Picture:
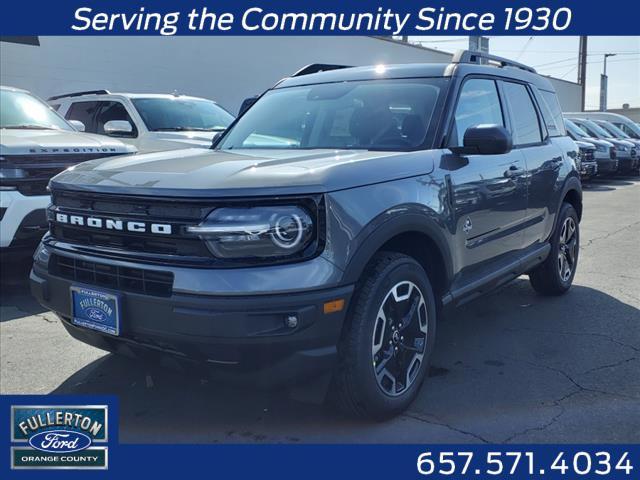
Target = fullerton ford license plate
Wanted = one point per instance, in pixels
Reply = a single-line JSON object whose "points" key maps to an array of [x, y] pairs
{"points": [[95, 310]]}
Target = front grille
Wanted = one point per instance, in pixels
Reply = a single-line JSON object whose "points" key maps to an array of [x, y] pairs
{"points": [[41, 168], [633, 153], [612, 152], [174, 248], [135, 280]]}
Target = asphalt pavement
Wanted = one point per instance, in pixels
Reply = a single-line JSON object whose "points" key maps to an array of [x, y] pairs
{"points": [[512, 367]]}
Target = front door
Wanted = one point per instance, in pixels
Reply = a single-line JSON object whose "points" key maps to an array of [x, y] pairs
{"points": [[489, 191]]}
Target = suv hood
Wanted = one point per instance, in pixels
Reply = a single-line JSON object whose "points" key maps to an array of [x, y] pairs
{"points": [[27, 142], [197, 172], [185, 139]]}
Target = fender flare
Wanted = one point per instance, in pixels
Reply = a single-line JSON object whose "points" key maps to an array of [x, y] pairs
{"points": [[384, 229]]}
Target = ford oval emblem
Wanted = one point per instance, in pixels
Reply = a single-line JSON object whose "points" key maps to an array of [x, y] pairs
{"points": [[60, 441], [96, 314]]}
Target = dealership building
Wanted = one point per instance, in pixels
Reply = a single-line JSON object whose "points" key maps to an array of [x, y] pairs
{"points": [[224, 69]]}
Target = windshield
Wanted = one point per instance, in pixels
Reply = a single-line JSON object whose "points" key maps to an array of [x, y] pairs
{"points": [[177, 114], [594, 129], [574, 129], [21, 110], [613, 130], [372, 115]]}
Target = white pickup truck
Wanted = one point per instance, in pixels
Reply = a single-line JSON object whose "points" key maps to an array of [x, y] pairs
{"points": [[36, 144], [150, 122]]}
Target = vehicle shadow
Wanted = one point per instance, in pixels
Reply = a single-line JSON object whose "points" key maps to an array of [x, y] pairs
{"points": [[607, 184], [503, 355], [14, 291]]}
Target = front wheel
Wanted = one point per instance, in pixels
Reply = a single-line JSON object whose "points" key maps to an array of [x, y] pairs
{"points": [[386, 344], [555, 275]]}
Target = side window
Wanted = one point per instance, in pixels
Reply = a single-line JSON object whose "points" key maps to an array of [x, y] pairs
{"points": [[113, 111], [84, 112], [526, 126], [478, 104], [552, 113]]}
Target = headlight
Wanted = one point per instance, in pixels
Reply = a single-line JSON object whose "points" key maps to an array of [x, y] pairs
{"points": [[257, 232], [622, 148], [601, 148]]}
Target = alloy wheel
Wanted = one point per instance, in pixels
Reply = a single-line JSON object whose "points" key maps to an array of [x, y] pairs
{"points": [[399, 338], [567, 251]]}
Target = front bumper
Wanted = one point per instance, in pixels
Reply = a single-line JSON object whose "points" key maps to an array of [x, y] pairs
{"points": [[23, 222], [242, 338]]}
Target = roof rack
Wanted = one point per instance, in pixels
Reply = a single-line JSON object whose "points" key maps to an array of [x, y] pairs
{"points": [[78, 94], [318, 67], [467, 56]]}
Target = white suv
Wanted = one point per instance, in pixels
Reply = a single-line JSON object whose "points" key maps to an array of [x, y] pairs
{"points": [[150, 122], [35, 144]]}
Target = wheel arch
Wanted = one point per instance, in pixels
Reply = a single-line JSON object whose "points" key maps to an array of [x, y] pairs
{"points": [[416, 235]]}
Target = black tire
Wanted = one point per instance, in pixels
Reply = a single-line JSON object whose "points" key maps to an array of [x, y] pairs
{"points": [[547, 278], [355, 388]]}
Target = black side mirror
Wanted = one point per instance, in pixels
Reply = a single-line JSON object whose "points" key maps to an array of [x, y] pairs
{"points": [[485, 140]]}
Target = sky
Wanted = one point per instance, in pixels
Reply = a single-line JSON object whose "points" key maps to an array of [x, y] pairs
{"points": [[558, 57]]}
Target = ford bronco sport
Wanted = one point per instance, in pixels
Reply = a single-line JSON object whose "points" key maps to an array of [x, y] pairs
{"points": [[326, 228]]}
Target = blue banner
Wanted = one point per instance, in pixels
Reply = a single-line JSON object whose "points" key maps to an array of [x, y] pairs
{"points": [[315, 17], [28, 416]]}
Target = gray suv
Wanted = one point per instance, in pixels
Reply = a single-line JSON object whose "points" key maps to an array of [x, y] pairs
{"points": [[326, 229]]}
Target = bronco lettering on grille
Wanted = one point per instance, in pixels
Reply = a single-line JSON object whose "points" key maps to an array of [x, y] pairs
{"points": [[113, 224]]}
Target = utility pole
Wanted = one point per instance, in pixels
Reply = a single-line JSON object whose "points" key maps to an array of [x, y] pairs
{"points": [[604, 80], [582, 68]]}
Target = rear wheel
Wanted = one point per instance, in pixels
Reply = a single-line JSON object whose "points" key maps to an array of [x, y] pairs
{"points": [[555, 275], [385, 348]]}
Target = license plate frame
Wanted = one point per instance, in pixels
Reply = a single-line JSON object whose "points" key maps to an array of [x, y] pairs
{"points": [[95, 309]]}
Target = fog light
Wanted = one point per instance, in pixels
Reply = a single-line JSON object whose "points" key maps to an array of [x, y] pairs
{"points": [[291, 321]]}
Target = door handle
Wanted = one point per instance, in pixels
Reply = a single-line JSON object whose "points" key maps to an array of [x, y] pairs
{"points": [[513, 171]]}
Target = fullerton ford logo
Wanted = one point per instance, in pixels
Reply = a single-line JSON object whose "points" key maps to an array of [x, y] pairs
{"points": [[59, 436], [60, 441], [113, 224]]}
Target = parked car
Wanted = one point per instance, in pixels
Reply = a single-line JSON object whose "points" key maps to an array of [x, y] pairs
{"points": [[399, 191], [605, 154], [150, 122], [586, 161], [625, 151], [620, 135], [35, 144], [625, 124]]}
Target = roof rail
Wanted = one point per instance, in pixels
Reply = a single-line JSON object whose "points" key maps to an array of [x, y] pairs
{"points": [[467, 56], [78, 94], [318, 67]]}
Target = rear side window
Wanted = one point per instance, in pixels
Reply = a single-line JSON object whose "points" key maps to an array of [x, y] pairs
{"points": [[478, 104], [552, 113], [525, 125], [84, 112]]}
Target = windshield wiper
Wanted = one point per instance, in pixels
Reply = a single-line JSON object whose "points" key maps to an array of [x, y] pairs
{"points": [[28, 127], [189, 129]]}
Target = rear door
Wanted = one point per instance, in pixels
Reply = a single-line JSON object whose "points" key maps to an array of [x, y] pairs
{"points": [[543, 158], [489, 193]]}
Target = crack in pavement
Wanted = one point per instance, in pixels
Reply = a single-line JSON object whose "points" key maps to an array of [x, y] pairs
{"points": [[556, 403], [609, 234], [425, 419], [570, 378], [612, 365]]}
